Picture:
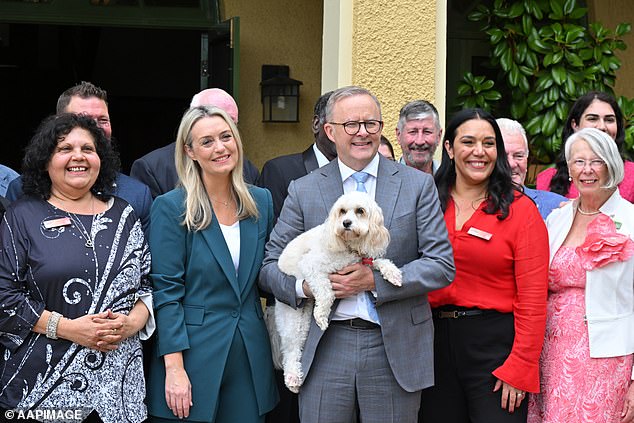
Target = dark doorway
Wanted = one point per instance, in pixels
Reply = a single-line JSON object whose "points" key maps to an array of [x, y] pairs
{"points": [[150, 76]]}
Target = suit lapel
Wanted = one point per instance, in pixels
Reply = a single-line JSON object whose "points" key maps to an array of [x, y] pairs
{"points": [[218, 246], [388, 186], [330, 186], [310, 160], [248, 245]]}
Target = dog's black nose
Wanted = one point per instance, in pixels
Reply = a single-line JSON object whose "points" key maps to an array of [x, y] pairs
{"points": [[347, 223]]}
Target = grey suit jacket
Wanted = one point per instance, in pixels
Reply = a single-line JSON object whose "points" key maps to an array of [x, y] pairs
{"points": [[419, 247]]}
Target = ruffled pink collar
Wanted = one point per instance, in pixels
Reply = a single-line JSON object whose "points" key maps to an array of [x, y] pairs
{"points": [[603, 245]]}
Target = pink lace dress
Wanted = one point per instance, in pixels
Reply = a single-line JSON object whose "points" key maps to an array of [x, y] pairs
{"points": [[574, 387]]}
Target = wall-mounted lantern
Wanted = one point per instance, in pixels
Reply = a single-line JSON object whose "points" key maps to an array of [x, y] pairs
{"points": [[280, 95]]}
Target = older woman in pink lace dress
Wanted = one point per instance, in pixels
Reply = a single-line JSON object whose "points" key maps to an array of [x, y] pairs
{"points": [[586, 362]]}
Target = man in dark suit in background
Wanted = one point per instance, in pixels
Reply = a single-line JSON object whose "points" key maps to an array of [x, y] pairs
{"points": [[90, 100], [278, 173], [157, 170]]}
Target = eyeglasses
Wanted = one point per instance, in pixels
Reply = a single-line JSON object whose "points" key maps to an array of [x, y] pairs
{"points": [[595, 164], [353, 127]]}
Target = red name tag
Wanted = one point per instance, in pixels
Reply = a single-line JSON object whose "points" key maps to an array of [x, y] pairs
{"points": [[480, 234], [56, 223]]}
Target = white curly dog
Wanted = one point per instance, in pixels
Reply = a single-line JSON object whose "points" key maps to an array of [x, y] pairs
{"points": [[353, 231]]}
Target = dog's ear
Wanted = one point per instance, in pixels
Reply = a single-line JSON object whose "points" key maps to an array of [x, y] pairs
{"points": [[332, 223], [378, 237]]}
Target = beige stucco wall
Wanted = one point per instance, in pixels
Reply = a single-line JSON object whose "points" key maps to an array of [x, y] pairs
{"points": [[276, 32], [611, 13], [395, 54]]}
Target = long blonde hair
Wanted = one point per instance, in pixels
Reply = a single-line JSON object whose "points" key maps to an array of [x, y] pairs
{"points": [[198, 211]]}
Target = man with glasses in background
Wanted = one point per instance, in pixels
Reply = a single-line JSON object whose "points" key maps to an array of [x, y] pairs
{"points": [[376, 355], [516, 146]]}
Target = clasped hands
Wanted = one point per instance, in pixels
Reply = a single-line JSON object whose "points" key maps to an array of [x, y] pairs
{"points": [[101, 331], [348, 281]]}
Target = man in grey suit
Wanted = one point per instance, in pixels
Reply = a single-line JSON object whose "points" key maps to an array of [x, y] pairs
{"points": [[377, 354]]}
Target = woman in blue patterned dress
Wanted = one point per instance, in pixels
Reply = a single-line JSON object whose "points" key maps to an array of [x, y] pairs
{"points": [[74, 292]]}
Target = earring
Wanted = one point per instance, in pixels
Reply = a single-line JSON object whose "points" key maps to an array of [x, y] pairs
{"points": [[569, 178]]}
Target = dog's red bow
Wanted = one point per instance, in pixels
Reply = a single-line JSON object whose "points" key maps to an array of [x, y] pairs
{"points": [[367, 261]]}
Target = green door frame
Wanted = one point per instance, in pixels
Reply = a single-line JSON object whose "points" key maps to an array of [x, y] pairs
{"points": [[83, 12]]}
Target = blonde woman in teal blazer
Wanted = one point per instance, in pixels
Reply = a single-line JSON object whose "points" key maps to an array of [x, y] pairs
{"points": [[212, 360]]}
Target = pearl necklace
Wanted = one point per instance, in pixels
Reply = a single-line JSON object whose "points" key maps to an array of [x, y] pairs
{"points": [[585, 213]]}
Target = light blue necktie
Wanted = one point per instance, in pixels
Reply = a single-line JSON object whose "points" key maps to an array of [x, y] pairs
{"points": [[360, 178]]}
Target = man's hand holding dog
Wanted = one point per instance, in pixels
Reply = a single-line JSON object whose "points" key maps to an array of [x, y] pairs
{"points": [[351, 280]]}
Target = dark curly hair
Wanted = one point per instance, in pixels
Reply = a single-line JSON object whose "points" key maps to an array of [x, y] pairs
{"points": [[38, 153], [560, 182], [501, 188]]}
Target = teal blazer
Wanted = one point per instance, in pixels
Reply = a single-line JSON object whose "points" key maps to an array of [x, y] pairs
{"points": [[201, 304]]}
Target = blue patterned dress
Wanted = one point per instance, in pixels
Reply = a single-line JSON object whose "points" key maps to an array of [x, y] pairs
{"points": [[51, 266]]}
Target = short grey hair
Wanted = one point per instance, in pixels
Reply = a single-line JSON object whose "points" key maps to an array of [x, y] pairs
{"points": [[417, 110], [511, 126], [603, 146], [345, 92]]}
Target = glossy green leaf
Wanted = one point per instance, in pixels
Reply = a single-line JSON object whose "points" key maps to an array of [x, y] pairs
{"points": [[561, 110], [527, 23], [518, 109], [487, 85], [585, 54], [549, 123], [524, 84], [514, 76], [499, 49], [492, 95], [517, 8], [558, 73], [622, 29], [506, 60], [548, 59], [463, 89], [531, 60], [520, 52], [578, 13], [495, 35], [569, 6], [573, 59], [533, 127], [544, 82], [553, 94], [569, 87]]}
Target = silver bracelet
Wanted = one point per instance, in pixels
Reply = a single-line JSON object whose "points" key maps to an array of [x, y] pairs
{"points": [[51, 325]]}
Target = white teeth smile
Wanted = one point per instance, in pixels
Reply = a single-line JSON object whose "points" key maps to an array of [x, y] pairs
{"points": [[478, 164], [77, 169], [221, 159]]}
